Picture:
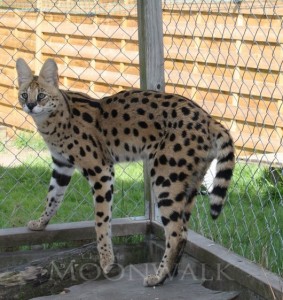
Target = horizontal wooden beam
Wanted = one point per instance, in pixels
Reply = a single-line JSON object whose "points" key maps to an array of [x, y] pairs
{"points": [[258, 8], [13, 237], [246, 273]]}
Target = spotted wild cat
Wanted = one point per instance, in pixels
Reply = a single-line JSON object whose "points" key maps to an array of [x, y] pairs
{"points": [[177, 137]]}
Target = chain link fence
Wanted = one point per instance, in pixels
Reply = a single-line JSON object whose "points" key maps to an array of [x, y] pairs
{"points": [[95, 46], [226, 56]]}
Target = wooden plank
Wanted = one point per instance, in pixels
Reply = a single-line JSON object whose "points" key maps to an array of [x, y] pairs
{"points": [[100, 76], [13, 117], [128, 285], [20, 236], [255, 7], [270, 159], [90, 52], [259, 142], [244, 114], [93, 30], [223, 57], [245, 272], [18, 21], [228, 85], [225, 31]]}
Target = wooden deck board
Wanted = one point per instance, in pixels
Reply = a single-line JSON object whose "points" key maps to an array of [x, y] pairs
{"points": [[129, 285]]}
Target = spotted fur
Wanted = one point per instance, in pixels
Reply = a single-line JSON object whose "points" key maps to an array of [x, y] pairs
{"points": [[177, 137]]}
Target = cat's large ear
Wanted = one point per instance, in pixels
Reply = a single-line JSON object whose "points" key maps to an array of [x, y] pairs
{"points": [[24, 72], [49, 72]]}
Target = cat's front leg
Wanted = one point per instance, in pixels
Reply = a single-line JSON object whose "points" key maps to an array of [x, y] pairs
{"points": [[61, 176]]}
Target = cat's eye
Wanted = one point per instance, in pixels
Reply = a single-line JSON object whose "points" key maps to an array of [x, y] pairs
{"points": [[24, 96], [40, 96]]}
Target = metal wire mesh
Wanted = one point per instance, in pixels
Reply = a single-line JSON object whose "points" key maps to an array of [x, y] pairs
{"points": [[226, 56], [95, 46]]}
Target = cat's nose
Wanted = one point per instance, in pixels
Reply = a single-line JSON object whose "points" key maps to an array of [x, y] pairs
{"points": [[31, 105]]}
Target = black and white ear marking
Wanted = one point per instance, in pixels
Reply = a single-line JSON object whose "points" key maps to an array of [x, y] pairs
{"points": [[49, 72], [25, 74]]}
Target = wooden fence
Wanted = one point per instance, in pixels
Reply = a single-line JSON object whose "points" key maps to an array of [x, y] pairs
{"points": [[226, 57]]}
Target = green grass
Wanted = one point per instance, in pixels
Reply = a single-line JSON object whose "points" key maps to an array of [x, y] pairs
{"points": [[31, 140], [23, 192], [250, 225]]}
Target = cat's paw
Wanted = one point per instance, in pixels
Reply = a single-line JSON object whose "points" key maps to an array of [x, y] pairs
{"points": [[107, 263], [36, 225], [108, 268], [153, 280]]}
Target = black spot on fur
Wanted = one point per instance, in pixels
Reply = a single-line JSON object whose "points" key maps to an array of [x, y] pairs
{"points": [[174, 216], [163, 195], [87, 117], [165, 220], [98, 169], [180, 197], [185, 111], [177, 148], [172, 162], [76, 129], [90, 172], [172, 137], [159, 180], [126, 117], [163, 159], [191, 152], [195, 116], [82, 152], [141, 111], [105, 178], [228, 157], [153, 105], [173, 177], [114, 131], [127, 130], [165, 202], [97, 186], [76, 112], [166, 183], [99, 199], [114, 113], [61, 179], [108, 196], [143, 124], [226, 174]]}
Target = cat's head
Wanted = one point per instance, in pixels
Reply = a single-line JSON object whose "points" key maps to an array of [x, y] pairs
{"points": [[38, 95]]}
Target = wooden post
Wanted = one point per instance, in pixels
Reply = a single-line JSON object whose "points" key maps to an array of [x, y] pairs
{"points": [[151, 57], [151, 45]]}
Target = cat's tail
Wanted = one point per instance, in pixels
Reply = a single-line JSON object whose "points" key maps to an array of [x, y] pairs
{"points": [[225, 155]]}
